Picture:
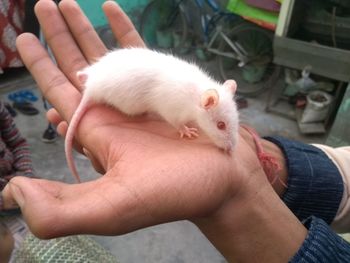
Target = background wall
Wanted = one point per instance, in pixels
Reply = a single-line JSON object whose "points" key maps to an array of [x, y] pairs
{"points": [[133, 8], [93, 10]]}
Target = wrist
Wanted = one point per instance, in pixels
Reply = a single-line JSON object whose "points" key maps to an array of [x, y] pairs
{"points": [[254, 225], [315, 185], [271, 149]]}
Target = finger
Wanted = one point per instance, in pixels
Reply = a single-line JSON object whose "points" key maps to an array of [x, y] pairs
{"points": [[54, 209], [82, 30], [62, 128], [53, 116], [58, 36], [43, 203], [122, 27], [9, 201], [52, 82]]}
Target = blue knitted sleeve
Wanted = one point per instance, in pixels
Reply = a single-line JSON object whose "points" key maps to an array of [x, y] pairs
{"points": [[315, 190], [321, 245], [315, 185]]}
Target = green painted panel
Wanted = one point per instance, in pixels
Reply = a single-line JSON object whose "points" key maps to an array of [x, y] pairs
{"points": [[240, 7], [93, 10]]}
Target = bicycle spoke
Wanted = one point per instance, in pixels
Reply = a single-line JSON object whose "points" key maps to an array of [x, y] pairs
{"points": [[245, 54]]}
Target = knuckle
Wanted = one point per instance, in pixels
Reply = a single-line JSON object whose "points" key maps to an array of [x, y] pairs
{"points": [[54, 83], [77, 63], [85, 30]]}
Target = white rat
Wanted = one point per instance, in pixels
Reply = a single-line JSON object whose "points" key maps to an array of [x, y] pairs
{"points": [[139, 80]]}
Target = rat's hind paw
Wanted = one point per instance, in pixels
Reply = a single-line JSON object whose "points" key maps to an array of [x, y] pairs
{"points": [[188, 132]]}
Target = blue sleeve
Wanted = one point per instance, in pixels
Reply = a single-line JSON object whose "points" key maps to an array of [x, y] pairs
{"points": [[315, 190], [315, 185], [321, 245]]}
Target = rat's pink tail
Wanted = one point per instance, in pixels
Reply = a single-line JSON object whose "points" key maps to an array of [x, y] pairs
{"points": [[77, 116], [268, 162]]}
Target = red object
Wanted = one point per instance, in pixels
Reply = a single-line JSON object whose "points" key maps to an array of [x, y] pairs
{"points": [[11, 25], [268, 162], [300, 103], [269, 5]]}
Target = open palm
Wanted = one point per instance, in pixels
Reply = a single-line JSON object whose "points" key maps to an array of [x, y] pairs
{"points": [[151, 176]]}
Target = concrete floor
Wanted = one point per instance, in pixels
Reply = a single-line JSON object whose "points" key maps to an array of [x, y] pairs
{"points": [[178, 242]]}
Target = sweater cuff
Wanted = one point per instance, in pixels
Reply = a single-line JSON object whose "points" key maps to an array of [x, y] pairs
{"points": [[315, 186], [321, 244]]}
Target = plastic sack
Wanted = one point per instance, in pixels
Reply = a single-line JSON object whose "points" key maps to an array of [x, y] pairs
{"points": [[317, 107]]}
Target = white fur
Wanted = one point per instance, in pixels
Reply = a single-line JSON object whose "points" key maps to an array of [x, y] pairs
{"points": [[138, 80]]}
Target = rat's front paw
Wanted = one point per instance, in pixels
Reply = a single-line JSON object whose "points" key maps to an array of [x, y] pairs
{"points": [[188, 132]]}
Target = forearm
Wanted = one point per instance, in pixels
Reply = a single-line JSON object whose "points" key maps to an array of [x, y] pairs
{"points": [[322, 244], [254, 227], [274, 151], [263, 229], [281, 182]]}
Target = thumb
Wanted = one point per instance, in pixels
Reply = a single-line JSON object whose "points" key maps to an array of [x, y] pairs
{"points": [[39, 201], [20, 189], [53, 209]]}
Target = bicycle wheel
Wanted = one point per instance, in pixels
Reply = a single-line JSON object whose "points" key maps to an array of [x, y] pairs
{"points": [[163, 25], [253, 69]]}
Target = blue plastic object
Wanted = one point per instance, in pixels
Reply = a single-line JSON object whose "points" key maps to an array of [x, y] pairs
{"points": [[22, 96]]}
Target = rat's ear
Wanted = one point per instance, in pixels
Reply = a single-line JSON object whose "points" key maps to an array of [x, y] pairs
{"points": [[209, 99], [82, 77], [231, 85]]}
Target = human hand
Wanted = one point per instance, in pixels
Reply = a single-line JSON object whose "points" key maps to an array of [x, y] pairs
{"points": [[150, 175]]}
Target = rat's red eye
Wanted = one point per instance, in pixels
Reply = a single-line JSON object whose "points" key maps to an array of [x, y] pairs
{"points": [[221, 125]]}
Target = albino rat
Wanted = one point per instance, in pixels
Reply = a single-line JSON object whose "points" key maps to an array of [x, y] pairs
{"points": [[138, 80]]}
